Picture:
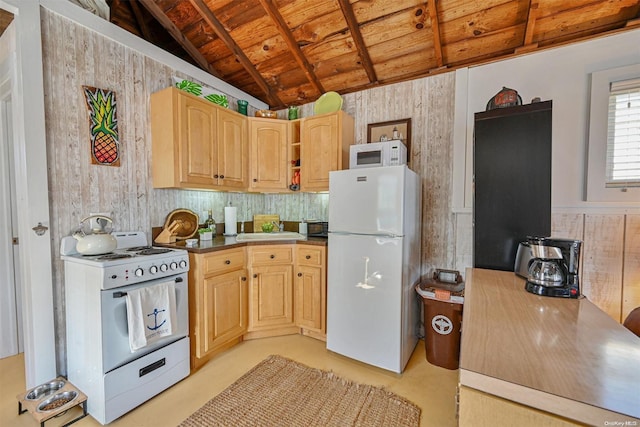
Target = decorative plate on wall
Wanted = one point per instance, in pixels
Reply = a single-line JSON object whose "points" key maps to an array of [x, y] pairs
{"points": [[329, 102]]}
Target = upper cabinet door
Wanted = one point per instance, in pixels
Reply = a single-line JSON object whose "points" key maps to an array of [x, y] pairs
{"points": [[324, 147], [197, 144], [183, 140], [268, 154], [197, 139], [233, 155]]}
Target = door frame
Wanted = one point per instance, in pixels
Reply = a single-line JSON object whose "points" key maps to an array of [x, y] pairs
{"points": [[10, 307], [32, 195]]}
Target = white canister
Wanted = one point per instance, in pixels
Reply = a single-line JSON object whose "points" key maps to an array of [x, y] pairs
{"points": [[302, 228]]}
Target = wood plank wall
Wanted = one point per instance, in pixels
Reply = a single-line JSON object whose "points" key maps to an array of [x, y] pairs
{"points": [[430, 105], [610, 264], [75, 56]]}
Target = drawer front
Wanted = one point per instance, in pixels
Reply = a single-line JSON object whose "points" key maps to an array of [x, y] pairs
{"points": [[310, 256], [266, 255], [224, 261]]}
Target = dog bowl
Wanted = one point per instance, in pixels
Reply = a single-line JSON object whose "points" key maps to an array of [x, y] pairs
{"points": [[57, 401], [45, 389]]}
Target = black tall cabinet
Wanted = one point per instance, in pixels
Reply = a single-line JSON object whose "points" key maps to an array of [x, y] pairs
{"points": [[512, 181]]}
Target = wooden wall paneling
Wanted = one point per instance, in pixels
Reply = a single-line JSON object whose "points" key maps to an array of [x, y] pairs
{"points": [[567, 225], [437, 165], [463, 242], [56, 157], [137, 141], [631, 274], [429, 104], [602, 262]]}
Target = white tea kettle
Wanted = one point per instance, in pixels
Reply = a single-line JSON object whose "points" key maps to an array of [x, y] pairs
{"points": [[96, 240]]}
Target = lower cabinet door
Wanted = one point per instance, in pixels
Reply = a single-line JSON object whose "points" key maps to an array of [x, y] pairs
{"points": [[308, 298], [271, 297], [225, 311]]}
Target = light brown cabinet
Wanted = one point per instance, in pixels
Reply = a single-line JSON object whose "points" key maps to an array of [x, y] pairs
{"points": [[271, 287], [233, 150], [310, 290], [197, 144], [268, 157], [217, 302], [255, 292], [324, 147]]}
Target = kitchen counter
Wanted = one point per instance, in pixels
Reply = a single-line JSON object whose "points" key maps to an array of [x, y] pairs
{"points": [[565, 357], [227, 242]]}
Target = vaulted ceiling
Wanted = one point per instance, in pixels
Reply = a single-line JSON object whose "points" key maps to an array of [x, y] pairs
{"points": [[288, 52], [5, 19]]}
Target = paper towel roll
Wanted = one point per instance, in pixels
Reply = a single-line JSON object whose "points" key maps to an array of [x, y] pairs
{"points": [[230, 220]]}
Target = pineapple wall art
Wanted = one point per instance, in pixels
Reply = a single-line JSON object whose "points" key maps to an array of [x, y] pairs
{"points": [[105, 146]]}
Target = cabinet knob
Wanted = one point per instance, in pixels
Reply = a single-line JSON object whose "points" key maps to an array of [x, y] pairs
{"points": [[255, 180], [244, 279], [299, 274], [227, 262], [221, 176], [308, 257], [272, 256], [255, 276], [215, 176]]}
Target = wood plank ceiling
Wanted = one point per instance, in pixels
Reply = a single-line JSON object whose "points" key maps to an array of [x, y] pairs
{"points": [[289, 52]]}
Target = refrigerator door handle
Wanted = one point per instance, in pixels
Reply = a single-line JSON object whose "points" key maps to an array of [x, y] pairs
{"points": [[386, 236]]}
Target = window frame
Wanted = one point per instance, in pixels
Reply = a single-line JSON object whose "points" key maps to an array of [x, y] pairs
{"points": [[596, 174], [630, 89]]}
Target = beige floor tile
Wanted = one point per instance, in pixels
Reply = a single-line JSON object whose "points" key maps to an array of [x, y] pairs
{"points": [[432, 388]]}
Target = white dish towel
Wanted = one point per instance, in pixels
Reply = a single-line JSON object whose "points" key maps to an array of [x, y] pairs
{"points": [[151, 314]]}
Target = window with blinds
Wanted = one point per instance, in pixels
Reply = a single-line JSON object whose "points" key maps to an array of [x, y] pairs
{"points": [[623, 134]]}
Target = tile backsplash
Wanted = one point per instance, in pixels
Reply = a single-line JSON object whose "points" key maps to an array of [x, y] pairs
{"points": [[290, 207]]}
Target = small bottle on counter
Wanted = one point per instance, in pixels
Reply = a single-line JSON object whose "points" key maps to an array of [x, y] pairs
{"points": [[302, 227], [210, 222]]}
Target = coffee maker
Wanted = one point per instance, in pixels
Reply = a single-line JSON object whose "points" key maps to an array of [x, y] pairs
{"points": [[553, 268]]}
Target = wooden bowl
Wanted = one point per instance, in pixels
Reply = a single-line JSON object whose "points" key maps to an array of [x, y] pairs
{"points": [[267, 114], [189, 223]]}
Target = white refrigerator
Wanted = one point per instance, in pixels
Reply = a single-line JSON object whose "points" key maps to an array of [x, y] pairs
{"points": [[374, 262]]}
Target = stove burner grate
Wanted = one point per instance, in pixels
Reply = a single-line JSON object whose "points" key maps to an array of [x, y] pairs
{"points": [[113, 256], [153, 251], [137, 248]]}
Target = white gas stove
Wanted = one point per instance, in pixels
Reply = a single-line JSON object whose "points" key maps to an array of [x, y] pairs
{"points": [[100, 361]]}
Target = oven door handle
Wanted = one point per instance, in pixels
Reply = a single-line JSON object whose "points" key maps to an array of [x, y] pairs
{"points": [[120, 294]]}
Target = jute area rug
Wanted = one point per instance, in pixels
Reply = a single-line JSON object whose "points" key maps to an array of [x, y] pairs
{"points": [[281, 392]]}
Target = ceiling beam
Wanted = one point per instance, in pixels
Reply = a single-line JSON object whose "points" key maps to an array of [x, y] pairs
{"points": [[633, 22], [527, 42], [191, 50], [137, 13], [354, 28], [435, 28], [284, 30], [220, 31]]}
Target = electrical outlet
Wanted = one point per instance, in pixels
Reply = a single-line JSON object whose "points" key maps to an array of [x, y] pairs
{"points": [[94, 224]]}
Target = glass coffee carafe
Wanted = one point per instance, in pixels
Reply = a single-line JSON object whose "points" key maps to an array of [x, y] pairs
{"points": [[546, 273]]}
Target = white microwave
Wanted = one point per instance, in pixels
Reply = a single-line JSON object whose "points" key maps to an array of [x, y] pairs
{"points": [[375, 154]]}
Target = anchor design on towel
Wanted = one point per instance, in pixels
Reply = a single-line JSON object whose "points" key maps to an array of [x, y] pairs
{"points": [[155, 319]]}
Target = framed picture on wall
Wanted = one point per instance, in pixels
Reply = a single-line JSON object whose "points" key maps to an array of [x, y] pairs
{"points": [[393, 129]]}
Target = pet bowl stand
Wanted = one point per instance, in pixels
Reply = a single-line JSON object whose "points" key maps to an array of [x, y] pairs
{"points": [[25, 404]]}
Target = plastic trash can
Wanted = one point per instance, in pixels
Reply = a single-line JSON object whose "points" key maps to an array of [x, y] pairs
{"points": [[443, 302]]}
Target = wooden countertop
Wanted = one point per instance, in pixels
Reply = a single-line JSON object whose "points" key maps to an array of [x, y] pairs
{"points": [[227, 242], [564, 356]]}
